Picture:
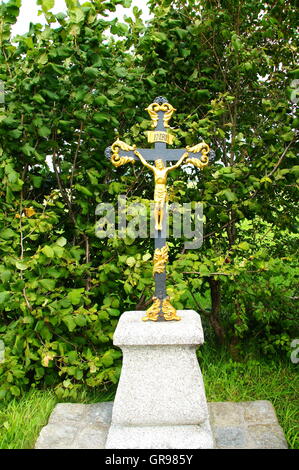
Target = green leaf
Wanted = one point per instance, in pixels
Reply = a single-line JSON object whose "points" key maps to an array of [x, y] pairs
{"points": [[101, 117], [44, 131], [48, 251], [107, 359], [243, 246], [61, 241], [76, 15], [48, 284], [15, 134], [27, 149], [83, 190], [288, 136], [91, 72], [38, 98], [236, 42], [5, 274], [114, 312], [203, 93], [21, 265], [71, 3], [58, 250], [265, 179], [130, 261], [80, 320], [100, 100], [46, 4], [7, 233], [230, 196], [295, 170], [15, 390], [70, 322], [159, 36], [43, 59], [50, 94], [75, 295], [4, 296], [37, 181]]}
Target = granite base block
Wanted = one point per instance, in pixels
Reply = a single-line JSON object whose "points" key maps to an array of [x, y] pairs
{"points": [[160, 391], [160, 437]]}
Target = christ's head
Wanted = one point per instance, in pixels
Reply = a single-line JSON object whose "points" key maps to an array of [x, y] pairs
{"points": [[159, 164]]}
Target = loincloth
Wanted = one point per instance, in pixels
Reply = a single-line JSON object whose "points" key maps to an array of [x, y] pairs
{"points": [[160, 195]]}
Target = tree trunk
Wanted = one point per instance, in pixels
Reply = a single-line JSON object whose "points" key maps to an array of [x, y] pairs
{"points": [[216, 308], [234, 342]]}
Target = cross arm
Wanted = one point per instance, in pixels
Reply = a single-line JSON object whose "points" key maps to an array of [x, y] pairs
{"points": [[121, 153]]}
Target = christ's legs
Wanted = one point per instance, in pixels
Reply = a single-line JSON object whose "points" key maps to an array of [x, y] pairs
{"points": [[160, 198], [158, 218], [161, 215]]}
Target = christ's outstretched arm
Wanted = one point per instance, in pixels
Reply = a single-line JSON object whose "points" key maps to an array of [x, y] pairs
{"points": [[145, 163], [178, 163]]}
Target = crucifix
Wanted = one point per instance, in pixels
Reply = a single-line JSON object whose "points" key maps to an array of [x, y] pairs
{"points": [[120, 153]]}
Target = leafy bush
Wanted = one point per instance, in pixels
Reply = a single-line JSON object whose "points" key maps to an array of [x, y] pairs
{"points": [[69, 91]]}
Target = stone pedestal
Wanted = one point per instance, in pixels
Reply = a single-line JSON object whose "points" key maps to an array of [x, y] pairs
{"points": [[160, 401]]}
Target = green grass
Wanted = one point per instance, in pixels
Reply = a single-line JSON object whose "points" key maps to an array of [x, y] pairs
{"points": [[22, 418]]}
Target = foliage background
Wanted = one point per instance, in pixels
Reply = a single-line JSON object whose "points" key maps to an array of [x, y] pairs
{"points": [[70, 89]]}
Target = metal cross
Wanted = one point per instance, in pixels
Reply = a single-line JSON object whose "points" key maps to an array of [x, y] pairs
{"points": [[121, 153]]}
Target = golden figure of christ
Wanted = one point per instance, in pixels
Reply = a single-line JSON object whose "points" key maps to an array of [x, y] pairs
{"points": [[160, 193]]}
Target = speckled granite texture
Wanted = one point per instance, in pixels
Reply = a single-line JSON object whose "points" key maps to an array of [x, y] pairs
{"points": [[160, 385], [243, 425]]}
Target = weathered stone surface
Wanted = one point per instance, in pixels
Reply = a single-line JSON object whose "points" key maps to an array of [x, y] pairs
{"points": [[75, 426], [160, 386], [232, 437], [261, 412], [67, 412], [266, 436], [160, 437], [226, 413], [232, 426], [246, 425], [131, 330], [57, 436], [161, 383], [91, 437]]}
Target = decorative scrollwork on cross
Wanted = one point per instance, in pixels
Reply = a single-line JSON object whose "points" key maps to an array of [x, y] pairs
{"points": [[160, 259], [153, 311], [169, 310], [199, 162], [166, 108], [118, 160]]}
